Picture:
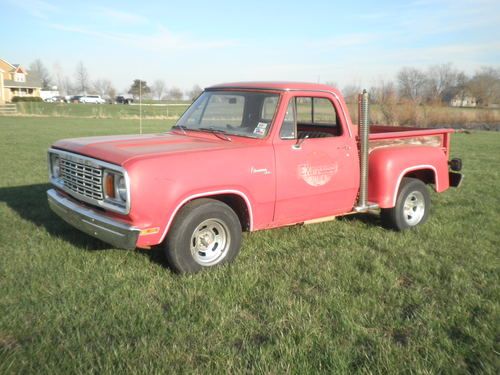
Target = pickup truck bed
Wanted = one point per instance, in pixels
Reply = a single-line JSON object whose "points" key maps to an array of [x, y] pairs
{"points": [[385, 136]]}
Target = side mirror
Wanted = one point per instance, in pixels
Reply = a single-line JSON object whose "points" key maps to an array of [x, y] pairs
{"points": [[298, 144]]}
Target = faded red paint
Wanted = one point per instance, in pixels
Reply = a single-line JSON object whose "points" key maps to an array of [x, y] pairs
{"points": [[280, 185]]}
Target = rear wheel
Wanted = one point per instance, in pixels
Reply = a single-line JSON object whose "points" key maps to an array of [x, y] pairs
{"points": [[205, 233], [412, 206]]}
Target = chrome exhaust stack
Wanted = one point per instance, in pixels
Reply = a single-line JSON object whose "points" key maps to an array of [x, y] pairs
{"points": [[363, 135]]}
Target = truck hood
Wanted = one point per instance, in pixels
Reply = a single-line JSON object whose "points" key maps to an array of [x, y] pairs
{"points": [[120, 149]]}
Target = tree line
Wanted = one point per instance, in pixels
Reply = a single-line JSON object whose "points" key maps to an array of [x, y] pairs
{"points": [[438, 84], [82, 84], [159, 91]]}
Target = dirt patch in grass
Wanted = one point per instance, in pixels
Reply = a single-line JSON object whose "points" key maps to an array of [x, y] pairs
{"points": [[8, 342]]}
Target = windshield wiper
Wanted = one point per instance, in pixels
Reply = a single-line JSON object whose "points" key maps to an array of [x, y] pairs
{"points": [[182, 127], [217, 132]]}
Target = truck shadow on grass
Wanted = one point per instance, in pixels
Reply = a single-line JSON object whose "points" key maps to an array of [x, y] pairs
{"points": [[30, 203], [370, 219]]}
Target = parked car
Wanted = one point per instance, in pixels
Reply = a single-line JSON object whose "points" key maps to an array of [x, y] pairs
{"points": [[59, 99], [120, 99], [247, 157], [75, 98], [93, 99]]}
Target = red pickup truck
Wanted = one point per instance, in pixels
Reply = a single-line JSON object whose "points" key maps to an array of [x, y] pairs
{"points": [[246, 157]]}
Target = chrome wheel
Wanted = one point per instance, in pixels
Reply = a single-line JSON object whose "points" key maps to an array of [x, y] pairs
{"points": [[210, 242], [414, 208]]}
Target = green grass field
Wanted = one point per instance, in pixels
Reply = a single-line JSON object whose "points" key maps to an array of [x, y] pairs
{"points": [[340, 297], [103, 111]]}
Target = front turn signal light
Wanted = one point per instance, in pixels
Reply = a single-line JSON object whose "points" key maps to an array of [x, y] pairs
{"points": [[109, 185]]}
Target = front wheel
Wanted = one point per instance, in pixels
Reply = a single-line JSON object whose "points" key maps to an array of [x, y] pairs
{"points": [[412, 206], [205, 233]]}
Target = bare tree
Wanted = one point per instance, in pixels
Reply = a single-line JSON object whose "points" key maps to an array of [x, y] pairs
{"points": [[111, 92], [381, 91], [59, 78], [194, 92], [411, 84], [158, 88], [69, 86], [461, 88], [175, 93], [40, 72], [82, 78], [102, 87], [385, 95], [350, 93], [485, 86], [440, 79]]}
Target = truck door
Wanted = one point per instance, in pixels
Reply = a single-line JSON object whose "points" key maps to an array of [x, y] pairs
{"points": [[317, 165]]}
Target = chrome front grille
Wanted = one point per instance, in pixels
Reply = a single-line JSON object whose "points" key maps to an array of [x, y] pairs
{"points": [[82, 179]]}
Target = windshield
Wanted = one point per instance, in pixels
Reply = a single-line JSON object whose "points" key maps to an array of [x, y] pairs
{"points": [[247, 114]]}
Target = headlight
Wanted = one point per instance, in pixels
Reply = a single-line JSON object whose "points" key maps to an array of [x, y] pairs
{"points": [[55, 166], [115, 187], [121, 188]]}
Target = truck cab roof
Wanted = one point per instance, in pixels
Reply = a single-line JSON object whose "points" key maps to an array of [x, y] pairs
{"points": [[279, 86]]}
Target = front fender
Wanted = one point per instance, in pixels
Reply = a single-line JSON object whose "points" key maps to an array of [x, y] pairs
{"points": [[160, 186], [388, 166]]}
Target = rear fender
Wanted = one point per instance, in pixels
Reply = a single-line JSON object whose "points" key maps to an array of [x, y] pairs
{"points": [[388, 166]]}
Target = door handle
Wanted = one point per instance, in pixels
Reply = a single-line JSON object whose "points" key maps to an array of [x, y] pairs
{"points": [[298, 144]]}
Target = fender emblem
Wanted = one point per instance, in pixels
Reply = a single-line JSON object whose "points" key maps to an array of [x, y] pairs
{"points": [[261, 170]]}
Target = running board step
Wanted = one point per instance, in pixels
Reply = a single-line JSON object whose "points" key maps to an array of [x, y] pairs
{"points": [[369, 206]]}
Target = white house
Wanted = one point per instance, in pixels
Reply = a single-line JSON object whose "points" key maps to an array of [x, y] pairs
{"points": [[463, 100], [16, 81]]}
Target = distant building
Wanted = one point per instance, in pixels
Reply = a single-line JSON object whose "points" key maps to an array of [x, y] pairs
{"points": [[463, 101], [47, 94], [2, 100], [16, 81]]}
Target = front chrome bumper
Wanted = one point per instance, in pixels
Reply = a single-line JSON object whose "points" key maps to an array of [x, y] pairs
{"points": [[92, 222]]}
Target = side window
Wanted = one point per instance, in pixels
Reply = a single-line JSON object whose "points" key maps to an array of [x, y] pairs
{"points": [[287, 130], [316, 118], [310, 117], [304, 110], [324, 112]]}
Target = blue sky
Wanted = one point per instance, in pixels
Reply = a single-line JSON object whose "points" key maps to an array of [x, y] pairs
{"points": [[207, 42]]}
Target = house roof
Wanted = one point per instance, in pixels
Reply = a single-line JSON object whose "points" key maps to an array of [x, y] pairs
{"points": [[19, 68], [8, 63], [30, 83], [15, 67]]}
